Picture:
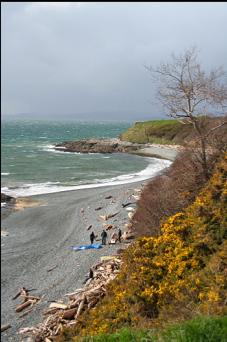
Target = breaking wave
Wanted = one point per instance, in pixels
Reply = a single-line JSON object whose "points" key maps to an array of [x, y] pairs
{"points": [[51, 187]]}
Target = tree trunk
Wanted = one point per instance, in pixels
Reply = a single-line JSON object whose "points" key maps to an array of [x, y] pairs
{"points": [[203, 150]]}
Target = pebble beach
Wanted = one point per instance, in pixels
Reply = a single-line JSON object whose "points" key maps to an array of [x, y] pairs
{"points": [[37, 250]]}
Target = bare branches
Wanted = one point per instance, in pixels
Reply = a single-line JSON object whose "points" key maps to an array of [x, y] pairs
{"points": [[184, 88], [188, 92]]}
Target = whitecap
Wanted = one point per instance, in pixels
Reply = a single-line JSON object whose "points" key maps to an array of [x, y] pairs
{"points": [[51, 148], [5, 173], [52, 187]]}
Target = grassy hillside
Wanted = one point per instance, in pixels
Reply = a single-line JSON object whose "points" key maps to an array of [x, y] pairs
{"points": [[156, 131], [173, 131], [173, 277]]}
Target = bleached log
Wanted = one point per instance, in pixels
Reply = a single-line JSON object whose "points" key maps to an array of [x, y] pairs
{"points": [[75, 292], [58, 306], [27, 297], [79, 309], [27, 329], [5, 327]]}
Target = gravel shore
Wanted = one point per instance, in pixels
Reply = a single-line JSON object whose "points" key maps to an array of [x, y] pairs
{"points": [[39, 238]]}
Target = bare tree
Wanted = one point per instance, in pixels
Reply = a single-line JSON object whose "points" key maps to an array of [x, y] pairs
{"points": [[189, 93]]}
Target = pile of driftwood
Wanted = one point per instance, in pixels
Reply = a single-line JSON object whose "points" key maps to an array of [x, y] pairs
{"points": [[61, 315]]}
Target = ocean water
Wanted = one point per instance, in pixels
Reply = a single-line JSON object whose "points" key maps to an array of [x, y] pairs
{"points": [[31, 166]]}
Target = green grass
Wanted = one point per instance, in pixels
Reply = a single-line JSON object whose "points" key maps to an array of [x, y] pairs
{"points": [[200, 329], [156, 131]]}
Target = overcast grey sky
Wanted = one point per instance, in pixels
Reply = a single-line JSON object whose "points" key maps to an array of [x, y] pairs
{"points": [[85, 60]]}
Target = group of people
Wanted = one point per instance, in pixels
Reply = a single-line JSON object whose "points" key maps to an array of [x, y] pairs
{"points": [[104, 236]]}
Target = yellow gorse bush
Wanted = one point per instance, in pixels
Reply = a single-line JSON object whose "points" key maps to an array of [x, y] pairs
{"points": [[174, 275]]}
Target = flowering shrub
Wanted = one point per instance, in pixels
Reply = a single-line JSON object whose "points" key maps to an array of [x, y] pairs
{"points": [[175, 275]]}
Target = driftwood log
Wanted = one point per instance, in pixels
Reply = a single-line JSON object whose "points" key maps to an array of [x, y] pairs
{"points": [[28, 300], [60, 315], [5, 327]]}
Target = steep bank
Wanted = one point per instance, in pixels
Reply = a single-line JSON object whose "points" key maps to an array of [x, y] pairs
{"points": [[172, 277]]}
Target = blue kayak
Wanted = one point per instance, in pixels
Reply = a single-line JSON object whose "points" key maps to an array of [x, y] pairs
{"points": [[94, 246]]}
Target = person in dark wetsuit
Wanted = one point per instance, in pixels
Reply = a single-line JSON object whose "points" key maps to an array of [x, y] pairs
{"points": [[119, 234], [92, 237], [104, 237]]}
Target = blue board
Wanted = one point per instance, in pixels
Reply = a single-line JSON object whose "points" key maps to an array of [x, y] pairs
{"points": [[95, 246]]}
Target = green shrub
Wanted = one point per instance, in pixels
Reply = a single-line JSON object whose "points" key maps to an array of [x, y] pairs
{"points": [[200, 329]]}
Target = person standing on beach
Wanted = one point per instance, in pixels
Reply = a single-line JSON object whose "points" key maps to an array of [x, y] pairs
{"points": [[104, 237], [119, 234], [92, 237]]}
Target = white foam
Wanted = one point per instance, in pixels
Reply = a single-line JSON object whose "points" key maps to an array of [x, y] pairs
{"points": [[52, 187], [51, 148], [5, 173]]}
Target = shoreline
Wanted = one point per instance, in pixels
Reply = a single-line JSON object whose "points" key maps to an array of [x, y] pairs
{"points": [[115, 145], [165, 153], [168, 152], [40, 238]]}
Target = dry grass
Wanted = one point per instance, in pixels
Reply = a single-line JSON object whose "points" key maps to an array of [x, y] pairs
{"points": [[167, 194]]}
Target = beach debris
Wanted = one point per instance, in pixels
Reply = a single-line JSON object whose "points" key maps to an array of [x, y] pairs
{"points": [[82, 210], [108, 197], [57, 305], [128, 225], [130, 215], [130, 209], [26, 313], [126, 204], [5, 327], [89, 227], [23, 292], [103, 217], [128, 235], [91, 246], [52, 268], [107, 226], [24, 305], [27, 299], [136, 197], [109, 257], [4, 233], [113, 238], [79, 301], [99, 208], [107, 217]]}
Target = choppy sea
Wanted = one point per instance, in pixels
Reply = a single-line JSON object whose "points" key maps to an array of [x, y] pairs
{"points": [[31, 166]]}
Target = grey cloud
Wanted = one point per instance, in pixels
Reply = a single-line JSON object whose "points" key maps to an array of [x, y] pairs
{"points": [[86, 59]]}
